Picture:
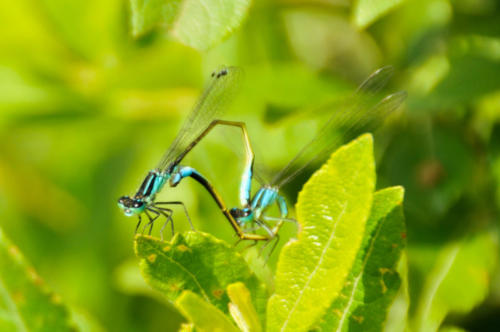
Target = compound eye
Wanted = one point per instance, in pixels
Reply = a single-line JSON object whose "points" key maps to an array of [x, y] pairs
{"points": [[235, 212]]}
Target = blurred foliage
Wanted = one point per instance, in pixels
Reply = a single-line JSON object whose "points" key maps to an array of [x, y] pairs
{"points": [[199, 24], [26, 303], [87, 108]]}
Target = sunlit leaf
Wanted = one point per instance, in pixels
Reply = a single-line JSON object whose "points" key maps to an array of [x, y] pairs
{"points": [[373, 281], [197, 262], [204, 316], [332, 210], [242, 309]]}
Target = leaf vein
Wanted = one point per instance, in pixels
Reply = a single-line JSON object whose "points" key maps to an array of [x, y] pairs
{"points": [[182, 267], [323, 253], [360, 274]]}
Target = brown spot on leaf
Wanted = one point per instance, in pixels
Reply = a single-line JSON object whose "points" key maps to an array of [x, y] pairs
{"points": [[167, 248], [183, 248], [217, 293], [383, 271], [152, 258], [358, 319]]}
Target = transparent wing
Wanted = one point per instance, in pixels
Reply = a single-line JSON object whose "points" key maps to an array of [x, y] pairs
{"points": [[222, 86], [364, 111]]}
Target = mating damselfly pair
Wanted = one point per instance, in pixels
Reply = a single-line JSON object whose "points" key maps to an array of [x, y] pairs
{"points": [[364, 111]]}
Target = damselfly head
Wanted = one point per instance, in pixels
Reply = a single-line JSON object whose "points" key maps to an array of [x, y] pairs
{"points": [[241, 215], [131, 206]]}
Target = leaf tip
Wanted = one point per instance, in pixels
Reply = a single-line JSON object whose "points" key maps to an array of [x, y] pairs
{"points": [[365, 137], [401, 193]]}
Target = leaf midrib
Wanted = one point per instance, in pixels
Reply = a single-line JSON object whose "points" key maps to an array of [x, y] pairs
{"points": [[323, 253]]}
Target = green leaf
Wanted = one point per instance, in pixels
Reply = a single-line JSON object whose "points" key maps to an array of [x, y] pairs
{"points": [[197, 262], [332, 210], [397, 317], [25, 302], [373, 281], [242, 309], [185, 327], [365, 12], [324, 39], [458, 282], [84, 322], [148, 13], [452, 329], [197, 23], [205, 316]]}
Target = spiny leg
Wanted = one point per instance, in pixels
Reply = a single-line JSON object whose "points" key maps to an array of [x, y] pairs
{"points": [[183, 206], [168, 215], [151, 220], [251, 236], [272, 235], [269, 232], [253, 244], [280, 223], [237, 241], [269, 218], [247, 247], [138, 224], [277, 236]]}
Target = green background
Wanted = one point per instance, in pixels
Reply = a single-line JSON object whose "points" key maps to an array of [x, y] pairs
{"points": [[86, 109]]}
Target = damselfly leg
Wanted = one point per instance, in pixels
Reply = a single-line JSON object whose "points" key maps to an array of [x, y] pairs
{"points": [[157, 205], [138, 224], [168, 216], [151, 220]]}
